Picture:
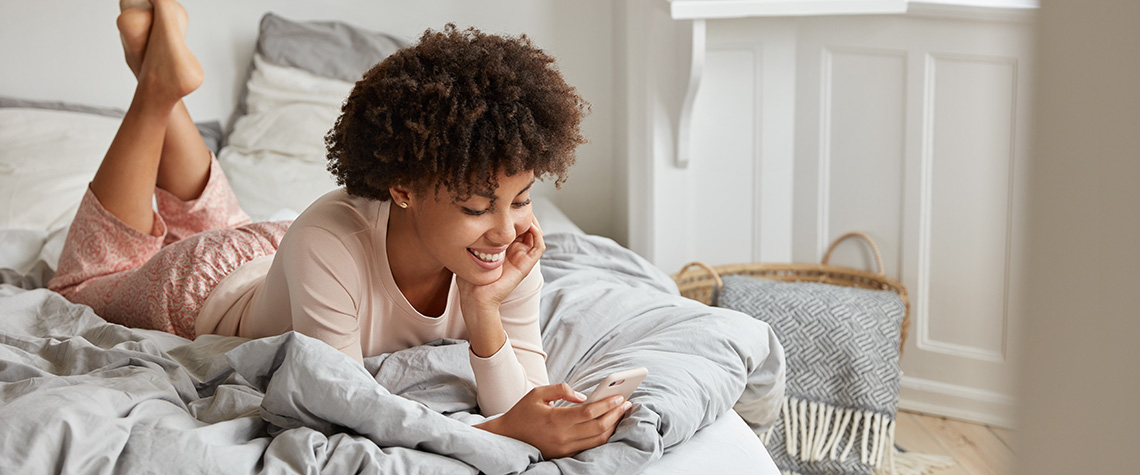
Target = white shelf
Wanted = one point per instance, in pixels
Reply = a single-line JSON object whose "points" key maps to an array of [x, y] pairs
{"points": [[708, 9], [1012, 4], [712, 9]]}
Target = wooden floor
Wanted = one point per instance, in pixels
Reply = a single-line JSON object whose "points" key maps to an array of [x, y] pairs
{"points": [[977, 449]]}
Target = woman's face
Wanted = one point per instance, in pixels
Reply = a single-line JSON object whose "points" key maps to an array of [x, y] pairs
{"points": [[470, 237]]}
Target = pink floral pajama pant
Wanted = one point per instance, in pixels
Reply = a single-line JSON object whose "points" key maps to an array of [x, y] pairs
{"points": [[160, 281]]}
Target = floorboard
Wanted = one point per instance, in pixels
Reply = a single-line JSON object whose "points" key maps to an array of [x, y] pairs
{"points": [[912, 436], [977, 449]]}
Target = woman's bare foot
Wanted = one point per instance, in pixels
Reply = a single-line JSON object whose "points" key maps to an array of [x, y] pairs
{"points": [[134, 31], [168, 70]]}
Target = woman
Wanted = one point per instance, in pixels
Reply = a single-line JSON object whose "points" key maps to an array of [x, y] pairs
{"points": [[453, 131]]}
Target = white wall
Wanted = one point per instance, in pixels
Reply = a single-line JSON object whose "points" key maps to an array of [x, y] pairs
{"points": [[69, 50]]}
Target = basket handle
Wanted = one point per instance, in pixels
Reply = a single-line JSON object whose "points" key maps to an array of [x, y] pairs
{"points": [[874, 248], [707, 268]]}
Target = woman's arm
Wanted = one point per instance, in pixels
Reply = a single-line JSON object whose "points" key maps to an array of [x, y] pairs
{"points": [[518, 364], [503, 311], [486, 333]]}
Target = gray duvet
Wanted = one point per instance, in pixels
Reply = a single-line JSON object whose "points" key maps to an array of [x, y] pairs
{"points": [[79, 395]]}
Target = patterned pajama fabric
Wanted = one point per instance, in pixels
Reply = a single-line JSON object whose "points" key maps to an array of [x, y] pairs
{"points": [[160, 281]]}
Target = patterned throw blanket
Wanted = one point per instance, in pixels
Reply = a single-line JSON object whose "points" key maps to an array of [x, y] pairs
{"points": [[842, 349]]}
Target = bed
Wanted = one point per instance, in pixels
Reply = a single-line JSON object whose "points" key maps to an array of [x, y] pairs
{"points": [[80, 395]]}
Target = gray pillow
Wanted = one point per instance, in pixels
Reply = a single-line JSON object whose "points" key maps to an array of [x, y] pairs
{"points": [[13, 102], [211, 131], [325, 48]]}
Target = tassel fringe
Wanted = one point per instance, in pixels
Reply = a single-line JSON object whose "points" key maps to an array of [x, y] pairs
{"points": [[815, 431]]}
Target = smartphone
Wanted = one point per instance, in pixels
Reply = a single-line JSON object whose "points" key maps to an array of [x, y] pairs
{"points": [[620, 383]]}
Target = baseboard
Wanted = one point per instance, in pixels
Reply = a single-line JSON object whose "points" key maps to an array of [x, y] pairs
{"points": [[956, 402]]}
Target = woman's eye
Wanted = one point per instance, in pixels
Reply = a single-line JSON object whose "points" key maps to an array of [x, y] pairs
{"points": [[479, 212]]}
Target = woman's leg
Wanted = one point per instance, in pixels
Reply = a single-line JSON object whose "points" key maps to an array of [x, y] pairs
{"points": [[193, 195], [115, 259], [184, 167], [157, 139], [115, 229]]}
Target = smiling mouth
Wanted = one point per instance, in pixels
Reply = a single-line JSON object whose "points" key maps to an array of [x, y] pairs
{"points": [[488, 257]]}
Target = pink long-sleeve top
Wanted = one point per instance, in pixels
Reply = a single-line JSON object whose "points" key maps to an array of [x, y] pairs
{"points": [[331, 277]]}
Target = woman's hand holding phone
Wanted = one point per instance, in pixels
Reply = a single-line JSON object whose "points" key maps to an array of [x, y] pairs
{"points": [[559, 431]]}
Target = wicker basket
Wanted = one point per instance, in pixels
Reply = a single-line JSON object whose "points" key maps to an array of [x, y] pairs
{"points": [[701, 282]]}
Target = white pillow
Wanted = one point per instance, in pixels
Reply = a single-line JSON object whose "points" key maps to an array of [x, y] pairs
{"points": [[275, 155], [19, 248], [47, 158]]}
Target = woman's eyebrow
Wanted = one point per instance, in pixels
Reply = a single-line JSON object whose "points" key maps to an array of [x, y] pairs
{"points": [[491, 195], [527, 187]]}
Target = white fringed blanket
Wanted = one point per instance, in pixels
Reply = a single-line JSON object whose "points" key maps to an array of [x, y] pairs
{"points": [[842, 350]]}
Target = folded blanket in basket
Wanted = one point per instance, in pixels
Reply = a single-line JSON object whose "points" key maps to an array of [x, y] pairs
{"points": [[842, 350]]}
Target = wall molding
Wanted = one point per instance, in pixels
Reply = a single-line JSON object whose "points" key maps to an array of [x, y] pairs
{"points": [[926, 190], [760, 192], [823, 197], [823, 181], [956, 401], [773, 50]]}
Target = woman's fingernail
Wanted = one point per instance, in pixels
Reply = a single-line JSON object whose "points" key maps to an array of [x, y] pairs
{"points": [[579, 395], [627, 405], [619, 400]]}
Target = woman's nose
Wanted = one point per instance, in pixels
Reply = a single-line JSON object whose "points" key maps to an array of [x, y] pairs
{"points": [[505, 229]]}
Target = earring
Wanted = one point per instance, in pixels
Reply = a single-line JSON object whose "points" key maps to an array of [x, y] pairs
{"points": [[403, 204]]}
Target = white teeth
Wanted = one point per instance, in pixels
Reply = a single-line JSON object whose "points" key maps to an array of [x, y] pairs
{"points": [[489, 257]]}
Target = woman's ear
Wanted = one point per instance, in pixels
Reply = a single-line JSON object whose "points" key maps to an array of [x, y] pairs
{"points": [[401, 196]]}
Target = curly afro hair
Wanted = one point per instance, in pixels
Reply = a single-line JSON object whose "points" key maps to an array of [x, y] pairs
{"points": [[453, 111]]}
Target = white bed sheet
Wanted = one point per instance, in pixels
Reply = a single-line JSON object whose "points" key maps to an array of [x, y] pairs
{"points": [[726, 446]]}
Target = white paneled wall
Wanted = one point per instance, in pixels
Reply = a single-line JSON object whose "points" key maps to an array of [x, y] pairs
{"points": [[916, 132], [723, 168], [912, 128]]}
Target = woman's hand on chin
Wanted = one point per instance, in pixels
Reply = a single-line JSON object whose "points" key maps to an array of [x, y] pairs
{"points": [[520, 258], [559, 431]]}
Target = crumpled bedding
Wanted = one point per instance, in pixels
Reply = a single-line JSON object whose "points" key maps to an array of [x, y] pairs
{"points": [[80, 395]]}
